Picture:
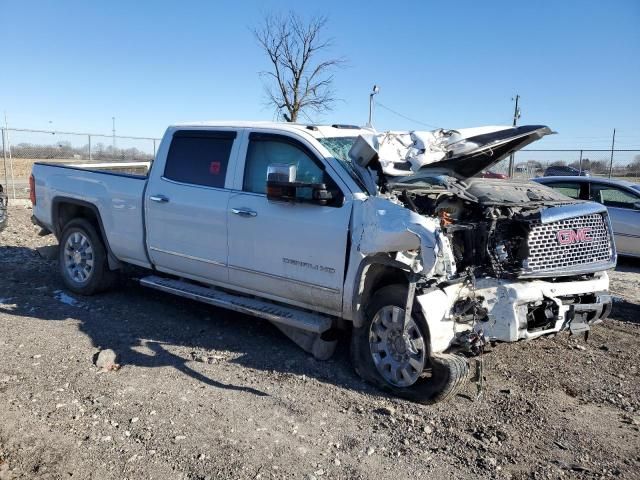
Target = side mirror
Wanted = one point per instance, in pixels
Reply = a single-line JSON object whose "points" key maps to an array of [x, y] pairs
{"points": [[636, 206], [281, 172], [282, 186], [364, 150]]}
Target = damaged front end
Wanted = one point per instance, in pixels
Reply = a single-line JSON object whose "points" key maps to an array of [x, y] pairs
{"points": [[500, 260], [510, 310]]}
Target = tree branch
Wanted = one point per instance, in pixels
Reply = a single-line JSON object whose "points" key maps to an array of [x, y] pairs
{"points": [[298, 79]]}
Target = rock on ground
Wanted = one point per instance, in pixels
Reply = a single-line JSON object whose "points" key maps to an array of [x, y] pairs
{"points": [[106, 359]]}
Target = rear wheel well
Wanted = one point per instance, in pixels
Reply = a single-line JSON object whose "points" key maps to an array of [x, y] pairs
{"points": [[67, 211], [64, 211]]}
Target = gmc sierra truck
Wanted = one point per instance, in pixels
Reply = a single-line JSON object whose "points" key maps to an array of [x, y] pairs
{"points": [[321, 229]]}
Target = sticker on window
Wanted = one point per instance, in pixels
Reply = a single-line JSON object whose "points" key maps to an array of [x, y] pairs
{"points": [[214, 168]]}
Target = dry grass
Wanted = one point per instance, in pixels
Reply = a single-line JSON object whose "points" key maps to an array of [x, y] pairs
{"points": [[22, 166]]}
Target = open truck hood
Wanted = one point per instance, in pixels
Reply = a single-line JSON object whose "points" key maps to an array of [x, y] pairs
{"points": [[479, 152], [457, 153]]}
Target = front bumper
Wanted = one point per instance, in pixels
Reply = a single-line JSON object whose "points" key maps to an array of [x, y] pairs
{"points": [[514, 308]]}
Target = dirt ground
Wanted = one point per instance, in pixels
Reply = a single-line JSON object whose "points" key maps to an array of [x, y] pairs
{"points": [[204, 393]]}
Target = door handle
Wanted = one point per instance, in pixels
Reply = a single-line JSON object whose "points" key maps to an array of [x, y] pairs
{"points": [[243, 213], [159, 198]]}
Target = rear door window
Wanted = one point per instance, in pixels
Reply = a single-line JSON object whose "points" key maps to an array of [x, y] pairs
{"points": [[611, 196], [199, 157]]}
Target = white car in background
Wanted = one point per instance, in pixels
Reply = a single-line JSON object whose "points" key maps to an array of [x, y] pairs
{"points": [[622, 199]]}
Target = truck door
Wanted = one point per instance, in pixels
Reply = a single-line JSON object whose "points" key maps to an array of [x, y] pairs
{"points": [[293, 252], [625, 217], [186, 205]]}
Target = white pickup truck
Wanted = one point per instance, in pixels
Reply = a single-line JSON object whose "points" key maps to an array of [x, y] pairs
{"points": [[314, 229]]}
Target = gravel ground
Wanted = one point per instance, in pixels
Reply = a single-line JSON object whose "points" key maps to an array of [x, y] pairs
{"points": [[204, 393]]}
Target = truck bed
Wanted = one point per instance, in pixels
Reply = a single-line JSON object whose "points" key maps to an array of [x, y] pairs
{"points": [[130, 168], [116, 194]]}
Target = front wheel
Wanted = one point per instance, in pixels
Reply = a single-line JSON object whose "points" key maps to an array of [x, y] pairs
{"points": [[398, 360]]}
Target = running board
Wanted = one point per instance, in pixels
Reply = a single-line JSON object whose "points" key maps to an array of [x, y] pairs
{"points": [[288, 316]]}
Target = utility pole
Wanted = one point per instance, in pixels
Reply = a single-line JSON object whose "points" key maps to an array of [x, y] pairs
{"points": [[374, 91], [516, 116], [113, 121], [613, 144], [4, 157]]}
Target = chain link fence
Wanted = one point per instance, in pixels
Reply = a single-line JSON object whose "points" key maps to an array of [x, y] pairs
{"points": [[619, 164], [21, 148]]}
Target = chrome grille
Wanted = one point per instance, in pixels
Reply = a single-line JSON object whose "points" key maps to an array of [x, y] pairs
{"points": [[547, 254]]}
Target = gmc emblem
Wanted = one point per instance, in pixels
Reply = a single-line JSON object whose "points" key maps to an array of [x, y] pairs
{"points": [[579, 235]]}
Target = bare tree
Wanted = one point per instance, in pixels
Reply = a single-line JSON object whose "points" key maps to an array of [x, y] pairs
{"points": [[299, 80]]}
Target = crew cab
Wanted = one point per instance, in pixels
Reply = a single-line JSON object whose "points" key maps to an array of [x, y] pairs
{"points": [[321, 229]]}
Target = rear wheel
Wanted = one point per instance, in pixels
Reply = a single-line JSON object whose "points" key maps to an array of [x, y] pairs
{"points": [[83, 259], [396, 359]]}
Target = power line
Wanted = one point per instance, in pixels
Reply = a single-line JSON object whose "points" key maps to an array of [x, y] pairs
{"points": [[404, 116], [306, 116]]}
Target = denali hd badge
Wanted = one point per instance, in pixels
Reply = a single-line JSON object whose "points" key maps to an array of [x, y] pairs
{"points": [[312, 266], [579, 235]]}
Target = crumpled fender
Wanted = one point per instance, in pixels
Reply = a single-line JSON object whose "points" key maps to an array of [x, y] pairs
{"points": [[380, 225], [436, 307]]}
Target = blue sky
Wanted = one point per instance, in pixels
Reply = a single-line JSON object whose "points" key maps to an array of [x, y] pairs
{"points": [[576, 64]]}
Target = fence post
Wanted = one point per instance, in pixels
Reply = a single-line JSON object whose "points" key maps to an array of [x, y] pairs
{"points": [[4, 157], [580, 167], [90, 157], [8, 147], [613, 144], [154, 149], [512, 162]]}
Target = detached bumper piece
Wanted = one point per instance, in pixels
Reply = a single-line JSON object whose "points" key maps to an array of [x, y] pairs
{"points": [[582, 315]]}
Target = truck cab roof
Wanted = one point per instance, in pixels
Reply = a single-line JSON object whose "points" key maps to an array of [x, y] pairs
{"points": [[315, 130]]}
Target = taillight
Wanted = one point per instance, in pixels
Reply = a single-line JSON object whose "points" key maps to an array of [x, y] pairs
{"points": [[32, 189]]}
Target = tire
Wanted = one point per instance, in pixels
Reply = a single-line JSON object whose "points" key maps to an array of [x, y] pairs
{"points": [[82, 259], [448, 372]]}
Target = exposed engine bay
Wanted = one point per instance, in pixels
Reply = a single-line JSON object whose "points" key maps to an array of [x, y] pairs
{"points": [[487, 221]]}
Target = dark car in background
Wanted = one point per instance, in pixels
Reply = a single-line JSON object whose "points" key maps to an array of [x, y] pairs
{"points": [[562, 170], [622, 199]]}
